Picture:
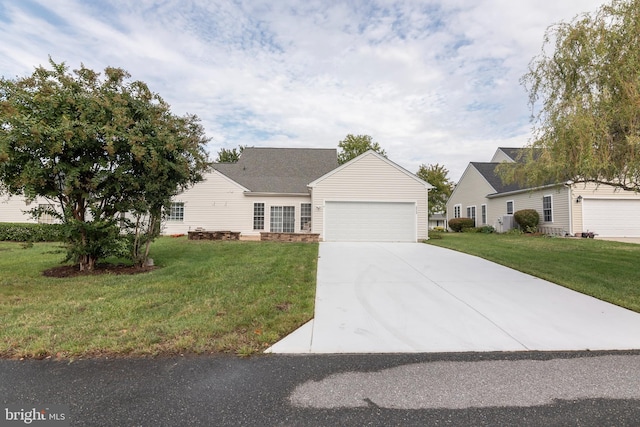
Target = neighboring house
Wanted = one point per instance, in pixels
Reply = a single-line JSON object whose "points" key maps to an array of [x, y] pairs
{"points": [[564, 208], [437, 220], [14, 209], [298, 190]]}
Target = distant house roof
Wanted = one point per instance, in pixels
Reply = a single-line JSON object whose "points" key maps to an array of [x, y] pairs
{"points": [[514, 153], [488, 171], [511, 152], [279, 170]]}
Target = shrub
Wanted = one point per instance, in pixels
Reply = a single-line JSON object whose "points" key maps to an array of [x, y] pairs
{"points": [[25, 232], [527, 219], [487, 229], [459, 224]]}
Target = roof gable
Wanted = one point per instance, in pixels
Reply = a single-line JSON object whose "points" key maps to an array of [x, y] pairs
{"points": [[488, 172], [355, 160], [279, 170]]}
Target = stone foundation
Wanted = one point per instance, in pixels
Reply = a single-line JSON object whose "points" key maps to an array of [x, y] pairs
{"points": [[214, 235], [289, 237]]}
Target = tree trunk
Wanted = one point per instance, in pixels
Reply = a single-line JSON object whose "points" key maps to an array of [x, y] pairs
{"points": [[87, 263]]}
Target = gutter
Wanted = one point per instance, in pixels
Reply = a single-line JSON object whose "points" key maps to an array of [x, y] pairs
{"points": [[525, 190], [267, 194]]}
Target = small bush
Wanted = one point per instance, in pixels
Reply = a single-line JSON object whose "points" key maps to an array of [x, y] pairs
{"points": [[459, 224], [487, 229], [18, 232], [515, 231], [527, 219]]}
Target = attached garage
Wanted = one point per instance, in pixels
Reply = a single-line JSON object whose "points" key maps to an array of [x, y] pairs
{"points": [[363, 221], [371, 199], [611, 217]]}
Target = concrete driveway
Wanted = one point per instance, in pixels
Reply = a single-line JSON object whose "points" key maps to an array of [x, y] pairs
{"points": [[405, 297]]}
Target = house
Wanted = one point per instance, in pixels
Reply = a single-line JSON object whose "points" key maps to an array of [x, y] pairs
{"points": [[15, 209], [437, 220], [302, 190], [565, 208]]}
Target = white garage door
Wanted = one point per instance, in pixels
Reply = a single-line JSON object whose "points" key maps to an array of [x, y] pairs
{"points": [[611, 217], [369, 222]]}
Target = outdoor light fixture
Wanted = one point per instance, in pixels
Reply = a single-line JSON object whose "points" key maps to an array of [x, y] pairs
{"points": [[579, 199]]}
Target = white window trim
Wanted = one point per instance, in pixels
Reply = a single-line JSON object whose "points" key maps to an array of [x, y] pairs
{"points": [[457, 208], [271, 228], [264, 216], [551, 208], [310, 215], [169, 218], [474, 210], [513, 207]]}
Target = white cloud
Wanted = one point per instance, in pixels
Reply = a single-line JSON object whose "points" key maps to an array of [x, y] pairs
{"points": [[432, 82]]}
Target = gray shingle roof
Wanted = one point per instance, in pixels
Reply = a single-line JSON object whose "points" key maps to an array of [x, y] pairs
{"points": [[515, 152], [279, 170], [488, 171], [511, 152]]}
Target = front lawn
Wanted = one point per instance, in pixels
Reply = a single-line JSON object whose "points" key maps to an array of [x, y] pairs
{"points": [[205, 297], [606, 270]]}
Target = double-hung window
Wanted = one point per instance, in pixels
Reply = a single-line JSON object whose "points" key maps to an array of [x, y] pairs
{"points": [[305, 217], [471, 213], [283, 219], [176, 211], [456, 211], [258, 216], [547, 209], [483, 214], [510, 207]]}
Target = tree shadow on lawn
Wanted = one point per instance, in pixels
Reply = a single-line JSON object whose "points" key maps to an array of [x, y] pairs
{"points": [[64, 271]]}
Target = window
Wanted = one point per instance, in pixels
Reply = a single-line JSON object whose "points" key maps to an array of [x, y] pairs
{"points": [[176, 212], [471, 213], [282, 219], [305, 217], [45, 216], [510, 207], [547, 211], [258, 216], [483, 213], [456, 211]]}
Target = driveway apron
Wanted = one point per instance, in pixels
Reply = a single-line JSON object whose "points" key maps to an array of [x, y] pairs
{"points": [[413, 297]]}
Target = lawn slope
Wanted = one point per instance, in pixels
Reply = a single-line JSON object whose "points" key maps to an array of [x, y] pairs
{"points": [[205, 297], [606, 270]]}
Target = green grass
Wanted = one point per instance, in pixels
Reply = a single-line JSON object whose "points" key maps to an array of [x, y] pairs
{"points": [[603, 269], [206, 297]]}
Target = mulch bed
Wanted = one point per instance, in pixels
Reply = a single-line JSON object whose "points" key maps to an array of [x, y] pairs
{"points": [[74, 270]]}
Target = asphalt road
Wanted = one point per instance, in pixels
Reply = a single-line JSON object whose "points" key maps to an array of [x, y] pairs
{"points": [[496, 389]]}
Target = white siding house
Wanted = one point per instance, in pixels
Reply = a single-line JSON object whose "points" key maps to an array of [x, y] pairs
{"points": [[14, 209], [296, 190], [564, 208]]}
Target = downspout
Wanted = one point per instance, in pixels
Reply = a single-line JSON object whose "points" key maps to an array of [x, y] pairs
{"points": [[569, 185]]}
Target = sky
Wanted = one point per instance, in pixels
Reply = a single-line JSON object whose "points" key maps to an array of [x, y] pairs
{"points": [[430, 81]]}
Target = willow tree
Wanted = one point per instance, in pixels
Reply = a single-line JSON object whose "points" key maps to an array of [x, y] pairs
{"points": [[105, 149], [584, 92]]}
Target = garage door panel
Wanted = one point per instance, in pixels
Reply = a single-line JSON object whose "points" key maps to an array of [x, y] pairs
{"points": [[370, 221], [611, 217]]}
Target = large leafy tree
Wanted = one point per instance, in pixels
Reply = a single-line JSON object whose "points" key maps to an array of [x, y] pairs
{"points": [[584, 92], [106, 149], [354, 145], [229, 155], [437, 176]]}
